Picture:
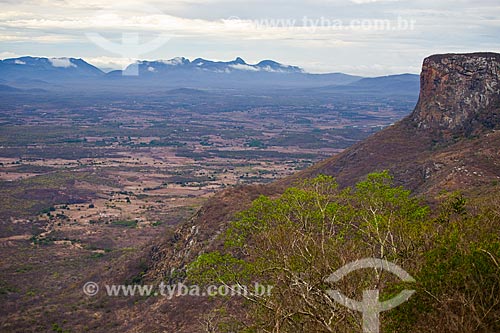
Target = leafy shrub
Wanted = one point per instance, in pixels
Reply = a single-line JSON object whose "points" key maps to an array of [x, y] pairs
{"points": [[296, 241]]}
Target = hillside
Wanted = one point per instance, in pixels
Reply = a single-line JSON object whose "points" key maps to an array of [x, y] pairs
{"points": [[450, 142]]}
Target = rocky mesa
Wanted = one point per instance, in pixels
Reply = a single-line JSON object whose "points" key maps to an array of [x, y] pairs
{"points": [[460, 94]]}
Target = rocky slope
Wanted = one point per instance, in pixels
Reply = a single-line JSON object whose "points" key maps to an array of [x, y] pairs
{"points": [[452, 129], [451, 141]]}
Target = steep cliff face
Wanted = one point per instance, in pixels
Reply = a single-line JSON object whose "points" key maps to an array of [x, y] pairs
{"points": [[433, 148], [459, 95]]}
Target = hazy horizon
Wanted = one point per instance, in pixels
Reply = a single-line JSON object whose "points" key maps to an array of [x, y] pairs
{"points": [[106, 69], [359, 37]]}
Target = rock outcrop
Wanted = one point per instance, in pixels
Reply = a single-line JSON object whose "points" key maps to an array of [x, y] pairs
{"points": [[459, 95]]}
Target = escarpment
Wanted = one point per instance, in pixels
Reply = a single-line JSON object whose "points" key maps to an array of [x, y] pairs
{"points": [[459, 95]]}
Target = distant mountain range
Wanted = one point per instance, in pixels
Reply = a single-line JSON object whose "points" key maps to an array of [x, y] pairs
{"points": [[237, 65], [72, 73], [47, 68]]}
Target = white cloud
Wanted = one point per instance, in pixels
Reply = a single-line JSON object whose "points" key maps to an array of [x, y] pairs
{"points": [[61, 62], [175, 61], [110, 62], [244, 67]]}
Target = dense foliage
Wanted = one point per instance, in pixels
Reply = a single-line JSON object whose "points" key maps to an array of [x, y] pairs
{"points": [[296, 241]]}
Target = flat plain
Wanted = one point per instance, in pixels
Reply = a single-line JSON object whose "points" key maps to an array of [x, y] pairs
{"points": [[88, 180]]}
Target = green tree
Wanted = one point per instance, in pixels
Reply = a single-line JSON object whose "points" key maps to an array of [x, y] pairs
{"points": [[296, 241]]}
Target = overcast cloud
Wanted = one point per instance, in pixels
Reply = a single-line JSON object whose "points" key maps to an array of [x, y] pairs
{"points": [[367, 37]]}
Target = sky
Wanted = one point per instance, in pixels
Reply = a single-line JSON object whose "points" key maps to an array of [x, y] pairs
{"points": [[362, 37]]}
